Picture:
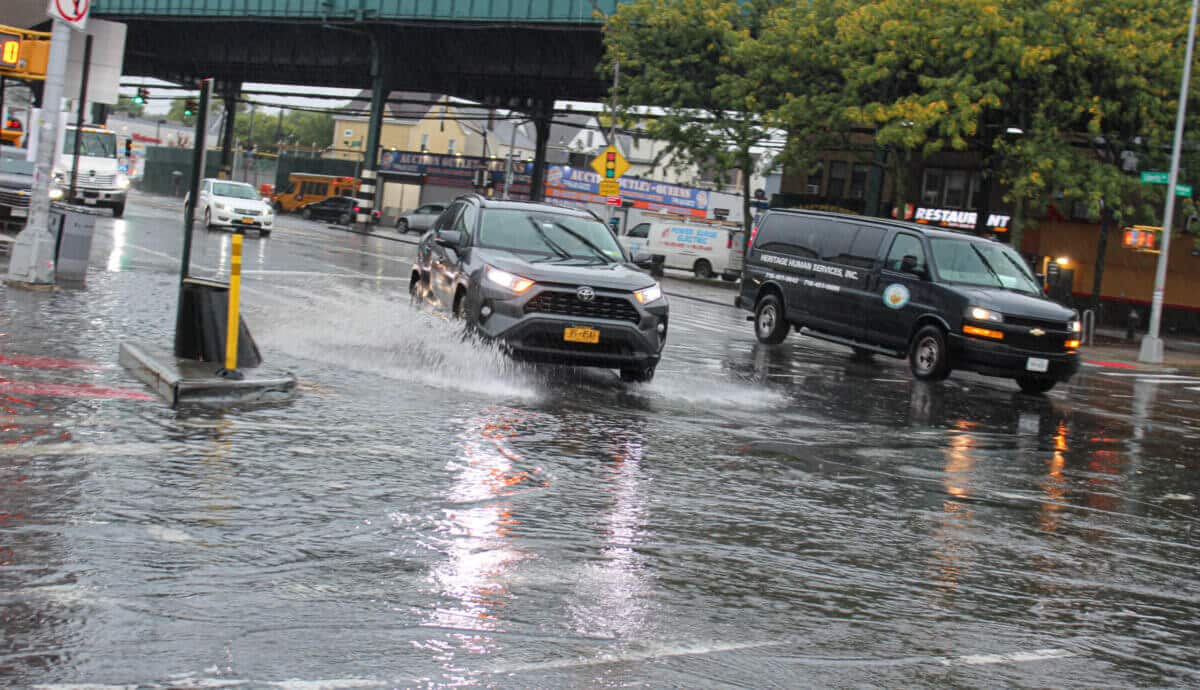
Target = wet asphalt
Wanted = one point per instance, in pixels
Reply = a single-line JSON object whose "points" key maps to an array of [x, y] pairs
{"points": [[429, 514]]}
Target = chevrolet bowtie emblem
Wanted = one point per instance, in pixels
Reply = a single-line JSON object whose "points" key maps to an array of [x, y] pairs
{"points": [[1036, 331]]}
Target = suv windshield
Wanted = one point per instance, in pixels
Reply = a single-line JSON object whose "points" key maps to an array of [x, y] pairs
{"points": [[235, 190], [94, 144], [549, 234], [984, 264]]}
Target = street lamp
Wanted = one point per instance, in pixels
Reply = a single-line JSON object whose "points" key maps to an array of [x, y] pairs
{"points": [[1152, 345]]}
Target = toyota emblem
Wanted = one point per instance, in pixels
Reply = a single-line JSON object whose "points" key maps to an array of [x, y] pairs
{"points": [[585, 294]]}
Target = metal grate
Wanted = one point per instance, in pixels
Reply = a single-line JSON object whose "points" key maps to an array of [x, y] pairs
{"points": [[567, 304]]}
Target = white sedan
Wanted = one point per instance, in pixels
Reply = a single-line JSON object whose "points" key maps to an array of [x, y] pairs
{"points": [[234, 205]]}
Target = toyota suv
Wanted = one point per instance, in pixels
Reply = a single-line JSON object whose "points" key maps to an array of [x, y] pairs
{"points": [[944, 300], [551, 284]]}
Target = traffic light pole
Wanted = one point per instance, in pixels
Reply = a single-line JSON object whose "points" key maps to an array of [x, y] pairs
{"points": [[83, 86], [189, 208], [1152, 345]]}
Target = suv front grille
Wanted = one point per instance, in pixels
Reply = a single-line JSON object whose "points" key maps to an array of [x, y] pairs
{"points": [[567, 304], [1051, 342]]}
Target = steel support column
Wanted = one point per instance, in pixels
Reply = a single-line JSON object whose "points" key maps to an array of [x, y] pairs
{"points": [[230, 97], [370, 163], [541, 123]]}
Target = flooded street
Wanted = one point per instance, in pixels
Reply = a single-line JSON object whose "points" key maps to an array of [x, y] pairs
{"points": [[429, 513]]}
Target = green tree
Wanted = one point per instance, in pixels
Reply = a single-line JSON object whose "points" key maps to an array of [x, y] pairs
{"points": [[687, 58], [125, 104]]}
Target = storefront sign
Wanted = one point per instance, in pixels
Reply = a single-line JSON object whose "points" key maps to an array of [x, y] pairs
{"points": [[581, 184], [951, 218]]}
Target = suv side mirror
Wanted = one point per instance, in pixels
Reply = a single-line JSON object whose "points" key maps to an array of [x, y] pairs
{"points": [[643, 259], [450, 239]]}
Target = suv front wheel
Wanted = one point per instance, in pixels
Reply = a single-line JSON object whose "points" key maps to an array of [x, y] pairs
{"points": [[928, 355], [770, 326]]}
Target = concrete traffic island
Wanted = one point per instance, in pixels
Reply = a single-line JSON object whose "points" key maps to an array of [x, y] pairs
{"points": [[189, 382]]}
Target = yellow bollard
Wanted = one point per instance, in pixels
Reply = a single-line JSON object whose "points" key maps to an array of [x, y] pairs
{"points": [[235, 288]]}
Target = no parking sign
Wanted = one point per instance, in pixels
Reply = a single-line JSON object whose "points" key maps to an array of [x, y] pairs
{"points": [[73, 12]]}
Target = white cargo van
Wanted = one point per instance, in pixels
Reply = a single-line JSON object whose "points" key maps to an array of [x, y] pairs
{"points": [[706, 248]]}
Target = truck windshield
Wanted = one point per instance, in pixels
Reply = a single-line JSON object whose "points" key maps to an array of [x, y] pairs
{"points": [[235, 190], [93, 144], [982, 263], [550, 234]]}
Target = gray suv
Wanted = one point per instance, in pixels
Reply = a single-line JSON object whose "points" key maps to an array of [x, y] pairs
{"points": [[550, 283]]}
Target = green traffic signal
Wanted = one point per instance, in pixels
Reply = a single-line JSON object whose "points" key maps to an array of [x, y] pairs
{"points": [[138, 100]]}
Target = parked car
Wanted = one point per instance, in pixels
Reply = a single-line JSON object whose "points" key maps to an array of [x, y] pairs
{"points": [[550, 283], [234, 205], [707, 249], [944, 300], [419, 219], [339, 209]]}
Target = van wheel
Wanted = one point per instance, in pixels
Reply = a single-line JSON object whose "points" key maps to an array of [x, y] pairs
{"points": [[637, 374], [770, 326], [703, 269], [928, 356], [1032, 386]]}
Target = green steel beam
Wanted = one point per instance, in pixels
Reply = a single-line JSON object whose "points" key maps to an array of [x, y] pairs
{"points": [[500, 11]]}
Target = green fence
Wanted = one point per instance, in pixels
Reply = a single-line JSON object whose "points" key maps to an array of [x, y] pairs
{"points": [[162, 162], [556, 11]]}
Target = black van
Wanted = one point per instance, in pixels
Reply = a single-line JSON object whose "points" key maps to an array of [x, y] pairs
{"points": [[945, 300]]}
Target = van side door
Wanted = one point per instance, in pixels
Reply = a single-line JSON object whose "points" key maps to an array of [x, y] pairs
{"points": [[841, 280], [901, 294]]}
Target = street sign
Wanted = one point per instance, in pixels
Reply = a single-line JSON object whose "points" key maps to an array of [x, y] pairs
{"points": [[72, 12], [614, 201], [1183, 190], [610, 164], [1154, 177], [610, 188]]}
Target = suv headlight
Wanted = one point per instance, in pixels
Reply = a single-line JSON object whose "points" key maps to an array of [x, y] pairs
{"points": [[507, 280], [981, 314], [648, 295]]}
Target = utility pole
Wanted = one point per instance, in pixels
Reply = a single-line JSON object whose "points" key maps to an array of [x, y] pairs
{"points": [[1152, 345], [612, 131]]}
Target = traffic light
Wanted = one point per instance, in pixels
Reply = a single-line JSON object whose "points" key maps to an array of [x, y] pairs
{"points": [[128, 148], [610, 165], [189, 107], [142, 95]]}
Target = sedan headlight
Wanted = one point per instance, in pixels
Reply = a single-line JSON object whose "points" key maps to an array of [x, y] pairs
{"points": [[122, 181], [219, 206], [507, 280], [648, 295], [981, 314]]}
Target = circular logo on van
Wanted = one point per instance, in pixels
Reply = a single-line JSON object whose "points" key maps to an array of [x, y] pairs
{"points": [[896, 296]]}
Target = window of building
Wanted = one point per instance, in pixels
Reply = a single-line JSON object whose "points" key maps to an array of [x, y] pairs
{"points": [[590, 138], [838, 172], [450, 147], [950, 188], [858, 180], [815, 178], [956, 189], [931, 187], [424, 143]]}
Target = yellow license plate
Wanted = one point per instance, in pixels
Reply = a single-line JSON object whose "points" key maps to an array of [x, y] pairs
{"points": [[581, 335], [248, 221]]}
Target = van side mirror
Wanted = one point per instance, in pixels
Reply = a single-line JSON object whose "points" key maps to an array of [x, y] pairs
{"points": [[909, 265]]}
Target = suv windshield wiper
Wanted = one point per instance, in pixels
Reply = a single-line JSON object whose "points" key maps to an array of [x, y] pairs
{"points": [[586, 242], [554, 246]]}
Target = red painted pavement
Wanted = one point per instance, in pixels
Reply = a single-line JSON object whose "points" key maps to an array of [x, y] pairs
{"points": [[1110, 365], [33, 362], [72, 390]]}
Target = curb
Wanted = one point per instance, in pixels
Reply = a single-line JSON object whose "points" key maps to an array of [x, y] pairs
{"points": [[163, 374]]}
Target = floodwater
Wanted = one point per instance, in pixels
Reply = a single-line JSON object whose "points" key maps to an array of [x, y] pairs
{"points": [[429, 514]]}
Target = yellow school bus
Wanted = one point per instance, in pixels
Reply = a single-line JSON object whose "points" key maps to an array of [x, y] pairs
{"points": [[306, 188]]}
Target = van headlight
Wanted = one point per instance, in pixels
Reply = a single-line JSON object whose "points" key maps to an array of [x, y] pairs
{"points": [[122, 181], [507, 280], [981, 314], [1076, 326], [56, 194], [648, 295]]}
